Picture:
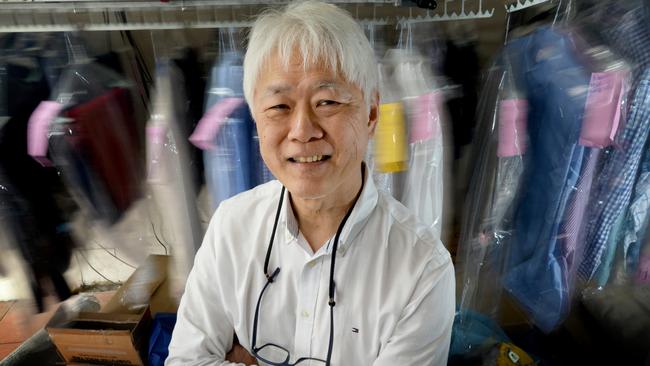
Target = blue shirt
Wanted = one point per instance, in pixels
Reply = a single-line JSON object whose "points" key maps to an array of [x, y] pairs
{"points": [[613, 191]]}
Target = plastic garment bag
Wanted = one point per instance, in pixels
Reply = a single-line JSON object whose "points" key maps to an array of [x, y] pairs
{"points": [[616, 265], [408, 142], [486, 227], [423, 182], [93, 137], [32, 214], [168, 172], [227, 133], [227, 164], [627, 32], [534, 171]]}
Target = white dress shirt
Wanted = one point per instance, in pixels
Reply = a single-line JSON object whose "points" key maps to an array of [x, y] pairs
{"points": [[395, 288]]}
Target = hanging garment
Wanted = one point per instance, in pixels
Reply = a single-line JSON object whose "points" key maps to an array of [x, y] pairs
{"points": [[616, 182], [461, 65], [423, 187], [556, 87], [630, 36], [227, 134], [168, 172], [488, 211], [29, 192], [572, 231], [642, 275], [387, 154], [94, 138], [261, 173], [637, 217], [194, 84], [103, 134], [628, 33], [420, 186], [604, 107]]}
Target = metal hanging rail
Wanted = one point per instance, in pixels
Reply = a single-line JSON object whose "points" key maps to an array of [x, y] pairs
{"points": [[113, 15], [94, 15], [99, 5]]}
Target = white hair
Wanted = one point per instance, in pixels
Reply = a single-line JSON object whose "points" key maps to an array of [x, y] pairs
{"points": [[322, 33]]}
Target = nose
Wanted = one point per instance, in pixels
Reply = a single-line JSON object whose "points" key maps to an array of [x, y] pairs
{"points": [[305, 126]]}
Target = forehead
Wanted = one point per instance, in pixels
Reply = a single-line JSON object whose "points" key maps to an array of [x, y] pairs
{"points": [[279, 75]]}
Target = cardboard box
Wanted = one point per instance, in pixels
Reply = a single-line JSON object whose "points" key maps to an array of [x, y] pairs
{"points": [[119, 333], [102, 338]]}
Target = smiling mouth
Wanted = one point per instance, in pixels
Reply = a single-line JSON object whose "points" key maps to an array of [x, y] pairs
{"points": [[309, 159]]}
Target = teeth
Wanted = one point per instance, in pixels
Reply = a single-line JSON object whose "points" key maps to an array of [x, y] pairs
{"points": [[309, 159]]}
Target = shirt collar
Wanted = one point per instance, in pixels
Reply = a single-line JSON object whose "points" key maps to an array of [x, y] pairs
{"points": [[357, 220]]}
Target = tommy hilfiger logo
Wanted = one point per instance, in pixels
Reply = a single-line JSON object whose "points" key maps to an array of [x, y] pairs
{"points": [[355, 330]]}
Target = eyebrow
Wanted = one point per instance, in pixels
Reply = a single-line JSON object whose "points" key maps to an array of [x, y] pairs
{"points": [[277, 89], [283, 88], [327, 85], [337, 87]]}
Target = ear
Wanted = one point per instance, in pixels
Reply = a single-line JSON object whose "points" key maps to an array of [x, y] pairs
{"points": [[373, 113]]}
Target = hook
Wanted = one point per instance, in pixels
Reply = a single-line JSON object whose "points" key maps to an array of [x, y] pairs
{"points": [[222, 46], [409, 43], [557, 12], [153, 45], [401, 32], [231, 38], [505, 40]]}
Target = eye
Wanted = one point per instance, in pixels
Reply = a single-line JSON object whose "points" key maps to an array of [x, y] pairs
{"points": [[327, 102], [279, 107]]}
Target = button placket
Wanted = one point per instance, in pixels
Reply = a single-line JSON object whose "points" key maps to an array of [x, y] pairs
{"points": [[309, 284]]}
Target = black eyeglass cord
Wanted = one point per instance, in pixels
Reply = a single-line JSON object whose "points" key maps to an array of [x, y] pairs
{"points": [[332, 284], [275, 227]]}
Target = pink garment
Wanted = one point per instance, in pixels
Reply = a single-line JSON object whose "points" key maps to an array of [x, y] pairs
{"points": [[37, 129], [602, 109], [208, 127], [512, 127]]}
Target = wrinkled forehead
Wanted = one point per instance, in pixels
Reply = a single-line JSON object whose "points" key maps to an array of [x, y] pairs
{"points": [[279, 72]]}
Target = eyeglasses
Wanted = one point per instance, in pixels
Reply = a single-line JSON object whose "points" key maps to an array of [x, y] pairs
{"points": [[271, 353]]}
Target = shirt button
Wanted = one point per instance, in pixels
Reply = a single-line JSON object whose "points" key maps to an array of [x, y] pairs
{"points": [[305, 314], [311, 264]]}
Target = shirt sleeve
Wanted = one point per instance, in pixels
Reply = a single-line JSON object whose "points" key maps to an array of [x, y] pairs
{"points": [[204, 332], [423, 333]]}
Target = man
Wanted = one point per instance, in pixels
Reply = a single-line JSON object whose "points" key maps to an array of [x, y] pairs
{"points": [[327, 271]]}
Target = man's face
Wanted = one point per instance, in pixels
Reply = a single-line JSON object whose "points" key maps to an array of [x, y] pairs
{"points": [[313, 127]]}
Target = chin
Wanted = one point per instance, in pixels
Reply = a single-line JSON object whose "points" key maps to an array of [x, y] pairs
{"points": [[306, 190]]}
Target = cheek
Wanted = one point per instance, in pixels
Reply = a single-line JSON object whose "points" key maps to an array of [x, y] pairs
{"points": [[270, 140], [354, 137], [359, 130]]}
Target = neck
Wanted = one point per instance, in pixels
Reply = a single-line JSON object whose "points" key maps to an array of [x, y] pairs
{"points": [[318, 219]]}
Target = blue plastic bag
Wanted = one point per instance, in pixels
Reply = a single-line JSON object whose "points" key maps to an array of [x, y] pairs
{"points": [[161, 335]]}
